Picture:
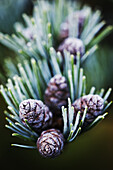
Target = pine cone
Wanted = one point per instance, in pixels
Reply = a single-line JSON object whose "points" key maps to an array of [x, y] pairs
{"points": [[76, 16], [36, 113], [56, 94], [50, 143], [95, 105], [73, 45]]}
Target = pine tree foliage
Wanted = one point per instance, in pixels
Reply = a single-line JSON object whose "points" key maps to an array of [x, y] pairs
{"points": [[42, 30], [32, 83], [37, 43]]}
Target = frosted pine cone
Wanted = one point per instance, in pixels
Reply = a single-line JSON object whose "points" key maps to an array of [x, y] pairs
{"points": [[36, 113], [50, 143], [95, 105], [76, 17], [73, 45], [56, 94]]}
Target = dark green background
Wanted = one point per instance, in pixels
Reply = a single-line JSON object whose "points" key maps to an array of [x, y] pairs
{"points": [[92, 150]]}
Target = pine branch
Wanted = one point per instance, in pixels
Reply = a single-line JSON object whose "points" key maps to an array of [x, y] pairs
{"points": [[34, 74], [42, 30]]}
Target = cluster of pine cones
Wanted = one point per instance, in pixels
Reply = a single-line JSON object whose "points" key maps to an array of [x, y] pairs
{"points": [[46, 118]]}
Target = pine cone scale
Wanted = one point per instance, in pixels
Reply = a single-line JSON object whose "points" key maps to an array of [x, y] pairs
{"points": [[50, 143]]}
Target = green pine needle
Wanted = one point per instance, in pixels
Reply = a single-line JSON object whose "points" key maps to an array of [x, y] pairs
{"points": [[24, 146]]}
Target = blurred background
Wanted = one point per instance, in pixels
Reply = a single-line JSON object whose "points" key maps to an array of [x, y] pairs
{"points": [[92, 150]]}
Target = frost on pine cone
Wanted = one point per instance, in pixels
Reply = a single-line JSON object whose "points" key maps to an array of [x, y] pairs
{"points": [[78, 18], [73, 45], [94, 104], [36, 113], [50, 143], [56, 94]]}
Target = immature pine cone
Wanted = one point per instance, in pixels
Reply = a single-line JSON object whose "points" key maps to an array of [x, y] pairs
{"points": [[56, 94], [50, 143], [73, 45], [95, 105], [36, 113], [76, 16]]}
